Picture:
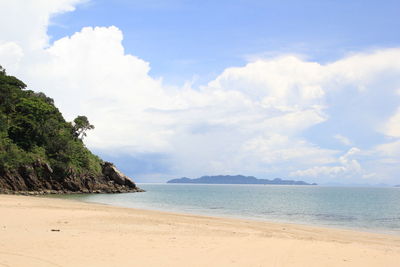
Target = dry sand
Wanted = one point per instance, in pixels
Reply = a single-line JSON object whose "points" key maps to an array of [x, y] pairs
{"points": [[100, 235]]}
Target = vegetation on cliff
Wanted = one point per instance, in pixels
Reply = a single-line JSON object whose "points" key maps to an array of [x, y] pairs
{"points": [[32, 128], [35, 139]]}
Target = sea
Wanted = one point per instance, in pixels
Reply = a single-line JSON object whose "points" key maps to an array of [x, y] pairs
{"points": [[371, 209]]}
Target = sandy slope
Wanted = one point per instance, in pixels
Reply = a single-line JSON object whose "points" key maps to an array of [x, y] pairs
{"points": [[99, 235]]}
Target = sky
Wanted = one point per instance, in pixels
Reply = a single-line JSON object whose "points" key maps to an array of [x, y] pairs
{"points": [[304, 90]]}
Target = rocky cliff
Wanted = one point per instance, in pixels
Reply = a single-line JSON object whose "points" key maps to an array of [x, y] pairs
{"points": [[39, 178]]}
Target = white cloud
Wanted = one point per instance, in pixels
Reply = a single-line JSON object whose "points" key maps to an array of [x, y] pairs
{"points": [[362, 69], [285, 83], [389, 150], [251, 119], [343, 139], [392, 125], [347, 167], [25, 22], [277, 148], [11, 55], [112, 88]]}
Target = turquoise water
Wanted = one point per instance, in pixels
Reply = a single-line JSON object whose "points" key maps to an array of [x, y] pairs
{"points": [[369, 209]]}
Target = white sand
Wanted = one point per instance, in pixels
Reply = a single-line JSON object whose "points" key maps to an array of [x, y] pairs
{"points": [[100, 235]]}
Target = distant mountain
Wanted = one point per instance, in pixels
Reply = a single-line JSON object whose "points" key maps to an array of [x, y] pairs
{"points": [[397, 185], [235, 179]]}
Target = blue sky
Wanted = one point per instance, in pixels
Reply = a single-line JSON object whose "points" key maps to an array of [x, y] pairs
{"points": [[306, 90], [186, 39]]}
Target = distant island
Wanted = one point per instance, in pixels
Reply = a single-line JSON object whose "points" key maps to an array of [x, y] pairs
{"points": [[235, 179]]}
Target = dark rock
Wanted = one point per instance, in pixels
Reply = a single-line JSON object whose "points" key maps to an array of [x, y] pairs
{"points": [[39, 179], [111, 172]]}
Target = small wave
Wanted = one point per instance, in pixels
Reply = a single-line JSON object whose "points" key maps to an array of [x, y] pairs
{"points": [[335, 217], [323, 216], [388, 219], [268, 212]]}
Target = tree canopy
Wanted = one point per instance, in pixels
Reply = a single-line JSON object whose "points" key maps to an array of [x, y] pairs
{"points": [[81, 125], [32, 128]]}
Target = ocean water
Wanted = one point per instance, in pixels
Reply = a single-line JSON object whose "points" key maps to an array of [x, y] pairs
{"points": [[367, 209]]}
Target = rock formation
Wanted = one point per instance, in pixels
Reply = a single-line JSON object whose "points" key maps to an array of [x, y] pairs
{"points": [[39, 178]]}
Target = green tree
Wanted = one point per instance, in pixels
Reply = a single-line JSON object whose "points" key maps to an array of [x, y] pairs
{"points": [[30, 117], [32, 128], [80, 126]]}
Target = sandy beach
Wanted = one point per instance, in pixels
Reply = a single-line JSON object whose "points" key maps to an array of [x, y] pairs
{"points": [[39, 231]]}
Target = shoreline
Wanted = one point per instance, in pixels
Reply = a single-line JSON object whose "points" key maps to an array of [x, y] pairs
{"points": [[206, 213], [87, 234], [228, 217]]}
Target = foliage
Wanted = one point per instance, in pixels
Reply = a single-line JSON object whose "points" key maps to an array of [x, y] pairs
{"points": [[33, 129], [81, 125]]}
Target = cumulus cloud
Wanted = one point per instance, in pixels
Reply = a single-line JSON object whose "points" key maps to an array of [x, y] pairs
{"points": [[25, 22], [88, 73], [391, 149], [285, 83], [263, 118], [392, 126], [11, 55], [347, 167], [277, 148]]}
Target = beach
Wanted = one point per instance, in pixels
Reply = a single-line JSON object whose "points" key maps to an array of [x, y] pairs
{"points": [[39, 231]]}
